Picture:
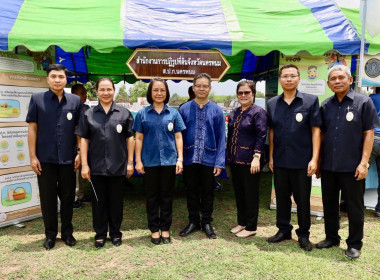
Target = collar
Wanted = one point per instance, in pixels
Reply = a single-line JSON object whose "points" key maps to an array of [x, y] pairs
{"points": [[100, 108], [151, 108], [350, 94], [298, 95], [53, 95]]}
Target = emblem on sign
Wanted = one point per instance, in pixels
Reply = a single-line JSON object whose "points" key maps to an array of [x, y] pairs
{"points": [[119, 128], [69, 116], [349, 116], [170, 126], [299, 117]]}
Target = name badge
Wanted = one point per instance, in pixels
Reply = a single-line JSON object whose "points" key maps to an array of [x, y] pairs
{"points": [[69, 116], [119, 128], [170, 126], [349, 116], [299, 117]]}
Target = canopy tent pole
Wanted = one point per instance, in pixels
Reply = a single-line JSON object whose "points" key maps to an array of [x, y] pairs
{"points": [[363, 8]]}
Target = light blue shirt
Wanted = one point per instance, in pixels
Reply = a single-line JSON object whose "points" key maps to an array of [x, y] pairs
{"points": [[159, 148]]}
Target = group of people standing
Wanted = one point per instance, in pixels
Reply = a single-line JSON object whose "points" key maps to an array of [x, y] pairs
{"points": [[191, 141]]}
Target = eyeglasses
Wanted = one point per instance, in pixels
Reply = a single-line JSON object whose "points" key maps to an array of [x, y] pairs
{"points": [[241, 93], [103, 90], [285, 77], [201, 86]]}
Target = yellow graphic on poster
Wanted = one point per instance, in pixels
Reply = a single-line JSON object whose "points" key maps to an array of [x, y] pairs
{"points": [[14, 150], [313, 72]]}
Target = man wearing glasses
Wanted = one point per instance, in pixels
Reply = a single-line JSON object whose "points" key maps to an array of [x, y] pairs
{"points": [[203, 154], [294, 141]]}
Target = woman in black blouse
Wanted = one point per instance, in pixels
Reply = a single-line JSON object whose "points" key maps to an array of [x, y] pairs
{"points": [[247, 127]]}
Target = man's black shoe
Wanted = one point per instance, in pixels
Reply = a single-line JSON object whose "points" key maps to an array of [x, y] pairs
{"points": [[84, 200], [207, 228], [279, 236], [77, 204], [305, 243], [189, 229], [377, 214], [352, 253], [49, 243], [327, 243], [69, 241], [116, 241], [100, 243]]}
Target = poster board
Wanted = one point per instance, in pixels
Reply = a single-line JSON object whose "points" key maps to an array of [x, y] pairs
{"points": [[21, 75], [371, 70], [313, 80]]}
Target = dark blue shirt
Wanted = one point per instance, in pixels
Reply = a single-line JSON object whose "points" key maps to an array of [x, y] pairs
{"points": [[56, 141], [159, 148], [343, 127], [376, 101], [107, 134], [292, 125], [247, 131], [204, 138]]}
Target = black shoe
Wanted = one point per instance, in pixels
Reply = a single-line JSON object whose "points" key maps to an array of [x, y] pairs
{"points": [[377, 214], [207, 228], [165, 240], [116, 241], [352, 253], [49, 243], [77, 204], [327, 243], [156, 241], [100, 243], [69, 241], [84, 200], [279, 236], [189, 229], [305, 243]]}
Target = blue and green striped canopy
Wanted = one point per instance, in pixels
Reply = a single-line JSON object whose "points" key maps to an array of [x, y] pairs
{"points": [[248, 28]]}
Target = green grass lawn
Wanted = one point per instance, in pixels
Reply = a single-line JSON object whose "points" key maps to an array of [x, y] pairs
{"points": [[195, 257]]}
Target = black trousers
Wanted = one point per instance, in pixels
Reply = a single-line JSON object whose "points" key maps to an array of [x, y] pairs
{"points": [[199, 182], [332, 183], [159, 183], [108, 211], [246, 187], [57, 180], [287, 182]]}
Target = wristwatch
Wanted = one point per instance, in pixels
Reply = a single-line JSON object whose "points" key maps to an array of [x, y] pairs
{"points": [[366, 164], [256, 155]]}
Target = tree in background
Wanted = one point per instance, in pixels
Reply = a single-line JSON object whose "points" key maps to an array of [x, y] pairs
{"points": [[122, 94], [90, 88], [139, 89], [176, 99]]}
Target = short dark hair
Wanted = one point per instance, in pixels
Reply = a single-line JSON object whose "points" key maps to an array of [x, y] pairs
{"points": [[102, 80], [191, 93], [312, 67], [76, 87], [286, 66], [150, 87], [202, 75], [249, 83], [56, 67]]}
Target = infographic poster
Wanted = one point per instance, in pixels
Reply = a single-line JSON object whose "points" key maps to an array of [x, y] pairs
{"points": [[14, 147], [14, 102], [313, 72], [21, 75]]}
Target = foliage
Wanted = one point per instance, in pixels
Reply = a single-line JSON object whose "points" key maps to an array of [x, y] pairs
{"points": [[221, 98], [122, 94], [89, 86], [259, 94], [139, 89]]}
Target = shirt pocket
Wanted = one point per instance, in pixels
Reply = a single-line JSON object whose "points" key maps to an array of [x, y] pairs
{"points": [[168, 126], [69, 117], [209, 154]]}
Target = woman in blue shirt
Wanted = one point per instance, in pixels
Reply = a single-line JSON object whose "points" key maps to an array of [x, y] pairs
{"points": [[107, 148], [159, 157]]}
